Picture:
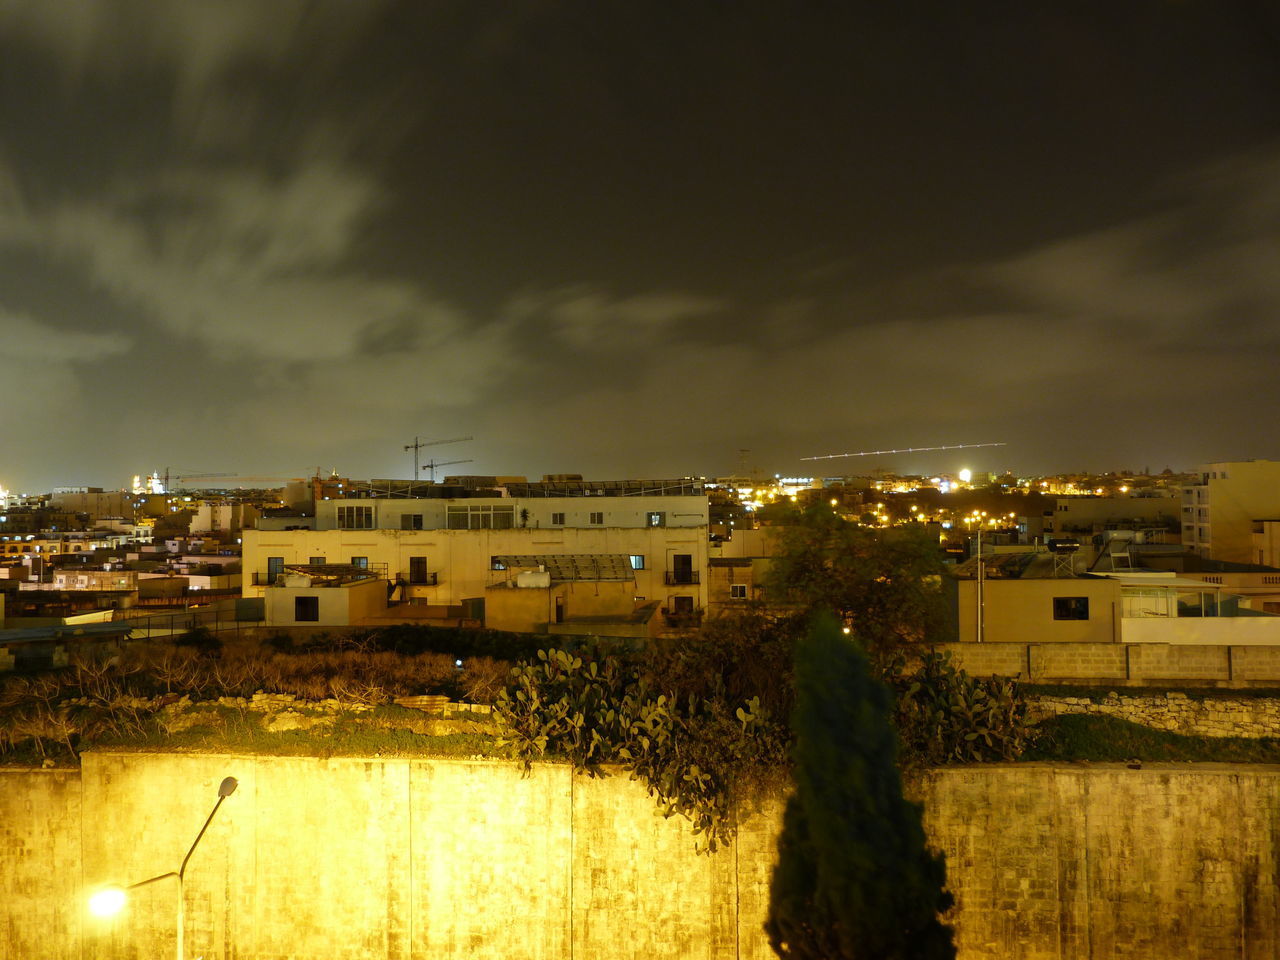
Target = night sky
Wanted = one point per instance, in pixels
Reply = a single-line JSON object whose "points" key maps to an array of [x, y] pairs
{"points": [[635, 239]]}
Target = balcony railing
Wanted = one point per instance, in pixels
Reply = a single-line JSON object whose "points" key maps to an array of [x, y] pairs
{"points": [[679, 577], [429, 579]]}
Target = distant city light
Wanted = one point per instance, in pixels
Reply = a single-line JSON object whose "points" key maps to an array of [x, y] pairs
{"points": [[966, 475]]}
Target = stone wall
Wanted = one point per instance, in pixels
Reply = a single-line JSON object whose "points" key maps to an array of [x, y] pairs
{"points": [[1251, 717], [41, 821], [1099, 862], [391, 859]]}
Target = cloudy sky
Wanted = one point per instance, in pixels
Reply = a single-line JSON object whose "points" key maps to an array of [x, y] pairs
{"points": [[634, 238]]}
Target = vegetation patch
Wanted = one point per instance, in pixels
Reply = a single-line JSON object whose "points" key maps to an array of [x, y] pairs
{"points": [[1099, 739]]}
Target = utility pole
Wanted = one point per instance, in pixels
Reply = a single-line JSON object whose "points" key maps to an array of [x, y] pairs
{"points": [[418, 444], [981, 599]]}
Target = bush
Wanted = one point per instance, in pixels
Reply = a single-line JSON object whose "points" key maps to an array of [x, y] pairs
{"points": [[945, 716], [695, 753]]}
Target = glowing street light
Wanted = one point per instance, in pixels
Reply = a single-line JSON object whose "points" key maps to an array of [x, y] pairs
{"points": [[111, 900]]}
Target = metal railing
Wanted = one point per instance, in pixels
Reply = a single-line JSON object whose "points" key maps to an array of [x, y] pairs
{"points": [[678, 577]]}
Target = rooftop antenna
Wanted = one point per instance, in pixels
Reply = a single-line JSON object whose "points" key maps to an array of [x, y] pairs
{"points": [[418, 444]]}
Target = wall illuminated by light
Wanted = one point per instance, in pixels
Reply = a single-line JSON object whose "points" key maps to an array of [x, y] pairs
{"points": [[374, 859]]}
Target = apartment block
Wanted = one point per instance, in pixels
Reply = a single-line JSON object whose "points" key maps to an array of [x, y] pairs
{"points": [[631, 565], [1221, 513]]}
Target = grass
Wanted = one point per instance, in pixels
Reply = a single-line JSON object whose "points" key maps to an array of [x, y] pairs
{"points": [[1080, 737]]}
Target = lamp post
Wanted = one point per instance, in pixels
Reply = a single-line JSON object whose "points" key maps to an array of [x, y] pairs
{"points": [[112, 899]]}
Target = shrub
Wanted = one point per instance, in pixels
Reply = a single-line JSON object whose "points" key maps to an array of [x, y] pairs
{"points": [[696, 754], [945, 716]]}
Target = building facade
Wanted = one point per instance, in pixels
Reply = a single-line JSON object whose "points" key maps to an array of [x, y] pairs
{"points": [[1220, 513], [535, 563]]}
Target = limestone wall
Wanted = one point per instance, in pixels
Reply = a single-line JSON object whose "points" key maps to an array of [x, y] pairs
{"points": [[41, 909], [1252, 717], [1068, 863], [390, 859]]}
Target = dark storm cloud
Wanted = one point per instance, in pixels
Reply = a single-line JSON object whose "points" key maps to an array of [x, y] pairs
{"points": [[632, 239]]}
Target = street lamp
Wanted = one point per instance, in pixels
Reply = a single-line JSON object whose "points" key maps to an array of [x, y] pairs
{"points": [[111, 900]]}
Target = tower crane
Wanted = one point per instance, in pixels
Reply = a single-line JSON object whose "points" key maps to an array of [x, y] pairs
{"points": [[418, 444], [432, 464]]}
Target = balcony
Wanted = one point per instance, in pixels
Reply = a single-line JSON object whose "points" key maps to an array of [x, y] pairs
{"points": [[321, 573], [429, 579], [681, 577]]}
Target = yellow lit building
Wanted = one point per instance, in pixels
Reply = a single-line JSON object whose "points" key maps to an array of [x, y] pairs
{"points": [[595, 564], [1219, 513]]}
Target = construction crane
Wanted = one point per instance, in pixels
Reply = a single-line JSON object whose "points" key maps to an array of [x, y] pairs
{"points": [[432, 464], [419, 444], [874, 453]]}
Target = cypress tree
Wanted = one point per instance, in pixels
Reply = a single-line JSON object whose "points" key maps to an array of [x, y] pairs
{"points": [[854, 879]]}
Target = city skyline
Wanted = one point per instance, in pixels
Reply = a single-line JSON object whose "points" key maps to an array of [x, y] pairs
{"points": [[257, 239]]}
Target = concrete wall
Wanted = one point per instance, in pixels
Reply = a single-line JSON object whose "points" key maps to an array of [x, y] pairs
{"points": [[532, 609], [1023, 610], [342, 859], [1121, 663], [339, 606], [1255, 631]]}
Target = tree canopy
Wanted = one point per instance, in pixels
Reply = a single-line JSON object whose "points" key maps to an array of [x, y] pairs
{"points": [[854, 878], [884, 584]]}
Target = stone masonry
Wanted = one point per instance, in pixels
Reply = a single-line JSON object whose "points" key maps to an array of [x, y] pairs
{"points": [[409, 859]]}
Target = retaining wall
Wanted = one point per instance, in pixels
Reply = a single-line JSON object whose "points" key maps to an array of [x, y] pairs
{"points": [[1252, 717], [375, 859]]}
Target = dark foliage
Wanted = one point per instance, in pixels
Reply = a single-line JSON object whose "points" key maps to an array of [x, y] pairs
{"points": [[943, 715], [203, 641], [690, 719], [854, 877], [884, 584]]}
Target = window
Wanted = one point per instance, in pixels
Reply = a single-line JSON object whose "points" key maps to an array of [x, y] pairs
{"points": [[417, 569], [597, 517], [557, 519], [315, 561], [355, 518], [655, 518], [495, 563], [361, 562], [306, 609], [483, 517], [737, 591], [1071, 608], [682, 604], [637, 561], [275, 567], [410, 521]]}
